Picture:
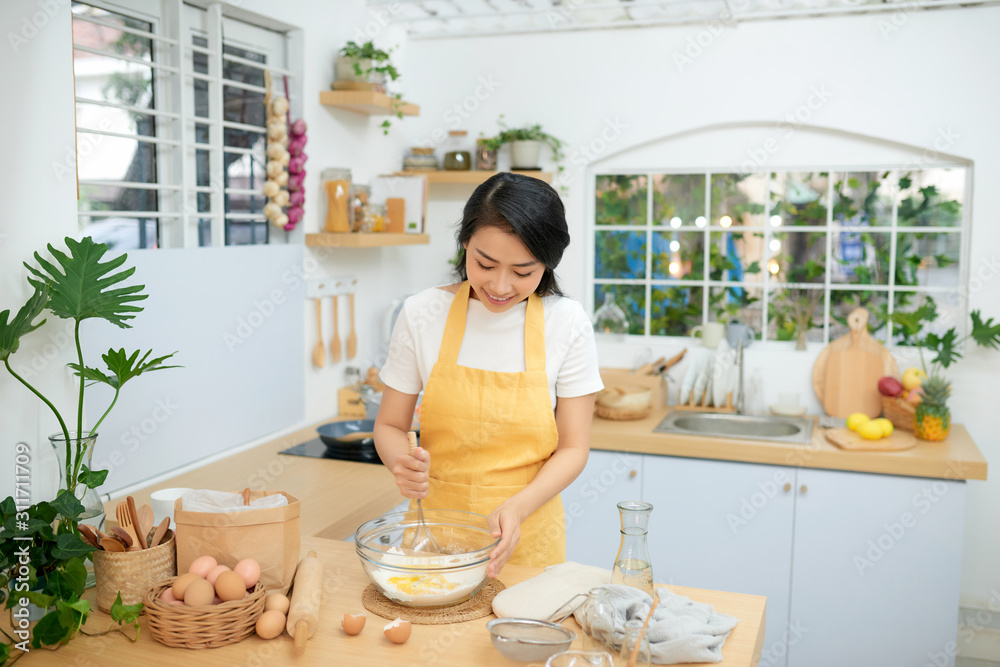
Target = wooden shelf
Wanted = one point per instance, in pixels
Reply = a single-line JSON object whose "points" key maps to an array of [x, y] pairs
{"points": [[367, 102], [470, 177], [359, 240]]}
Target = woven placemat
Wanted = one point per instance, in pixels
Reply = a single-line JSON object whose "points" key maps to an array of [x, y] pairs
{"points": [[478, 606]]}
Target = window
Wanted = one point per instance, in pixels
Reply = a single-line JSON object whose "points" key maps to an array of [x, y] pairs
{"points": [[787, 252], [171, 130]]}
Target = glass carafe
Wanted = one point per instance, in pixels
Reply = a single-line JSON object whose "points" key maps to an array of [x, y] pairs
{"points": [[632, 564]]}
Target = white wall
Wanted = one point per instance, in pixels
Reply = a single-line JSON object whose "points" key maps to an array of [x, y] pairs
{"points": [[934, 75]]}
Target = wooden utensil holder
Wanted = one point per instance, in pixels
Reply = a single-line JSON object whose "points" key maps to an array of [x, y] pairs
{"points": [[132, 572], [684, 403]]}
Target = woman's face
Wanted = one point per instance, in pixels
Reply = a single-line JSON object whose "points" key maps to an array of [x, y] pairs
{"points": [[501, 271]]}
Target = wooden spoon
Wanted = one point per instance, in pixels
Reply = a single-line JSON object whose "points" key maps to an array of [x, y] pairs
{"points": [[133, 514], [161, 530], [89, 536], [352, 338], [357, 435], [111, 544], [319, 352], [122, 536], [335, 343], [146, 522]]}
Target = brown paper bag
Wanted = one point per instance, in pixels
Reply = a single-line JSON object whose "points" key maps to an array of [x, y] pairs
{"points": [[269, 536]]}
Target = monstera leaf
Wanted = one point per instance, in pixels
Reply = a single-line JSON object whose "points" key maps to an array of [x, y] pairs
{"points": [[10, 333], [123, 367], [82, 289]]}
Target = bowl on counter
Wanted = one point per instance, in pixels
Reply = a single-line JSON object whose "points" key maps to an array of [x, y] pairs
{"points": [[421, 579]]}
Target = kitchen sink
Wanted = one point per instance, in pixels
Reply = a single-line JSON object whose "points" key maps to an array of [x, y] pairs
{"points": [[796, 430]]}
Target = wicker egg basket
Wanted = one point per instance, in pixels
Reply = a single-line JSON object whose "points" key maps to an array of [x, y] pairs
{"points": [[902, 414], [180, 626], [132, 572]]}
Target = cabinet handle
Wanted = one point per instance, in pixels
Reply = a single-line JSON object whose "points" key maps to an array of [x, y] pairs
{"points": [[788, 487], [803, 489], [632, 474]]}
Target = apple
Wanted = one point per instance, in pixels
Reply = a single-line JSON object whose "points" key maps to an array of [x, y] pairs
{"points": [[890, 386], [913, 378], [915, 396]]}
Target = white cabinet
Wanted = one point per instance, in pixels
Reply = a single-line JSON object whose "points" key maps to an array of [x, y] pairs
{"points": [[858, 569], [593, 529], [876, 570], [723, 526]]}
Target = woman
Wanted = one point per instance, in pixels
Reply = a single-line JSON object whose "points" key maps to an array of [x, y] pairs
{"points": [[495, 354]]}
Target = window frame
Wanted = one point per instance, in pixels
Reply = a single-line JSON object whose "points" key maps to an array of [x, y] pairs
{"points": [[171, 33], [767, 285]]}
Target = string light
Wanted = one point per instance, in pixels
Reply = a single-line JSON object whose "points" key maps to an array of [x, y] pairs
{"points": [[674, 268], [773, 267], [676, 222], [725, 221], [774, 245], [775, 220], [700, 221], [675, 246]]}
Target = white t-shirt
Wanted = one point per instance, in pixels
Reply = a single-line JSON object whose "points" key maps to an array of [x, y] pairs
{"points": [[494, 342]]}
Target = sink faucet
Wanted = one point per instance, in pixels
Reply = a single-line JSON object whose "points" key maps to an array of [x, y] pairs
{"points": [[740, 398]]}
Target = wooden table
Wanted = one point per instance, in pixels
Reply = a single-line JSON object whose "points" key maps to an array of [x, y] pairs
{"points": [[459, 644]]}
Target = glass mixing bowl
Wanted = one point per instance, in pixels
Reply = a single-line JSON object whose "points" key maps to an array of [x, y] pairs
{"points": [[422, 579]]}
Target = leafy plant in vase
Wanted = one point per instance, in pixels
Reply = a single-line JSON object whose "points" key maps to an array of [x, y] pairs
{"points": [[77, 286]]}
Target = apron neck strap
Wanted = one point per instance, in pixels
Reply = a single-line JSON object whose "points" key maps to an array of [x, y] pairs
{"points": [[534, 330]]}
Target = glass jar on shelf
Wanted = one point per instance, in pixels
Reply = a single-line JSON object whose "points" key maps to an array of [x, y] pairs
{"points": [[360, 196], [337, 184], [457, 156], [374, 218]]}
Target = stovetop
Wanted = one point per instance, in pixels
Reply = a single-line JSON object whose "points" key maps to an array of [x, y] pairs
{"points": [[318, 449]]}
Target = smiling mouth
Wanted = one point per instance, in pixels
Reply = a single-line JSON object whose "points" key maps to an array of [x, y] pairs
{"points": [[498, 299]]}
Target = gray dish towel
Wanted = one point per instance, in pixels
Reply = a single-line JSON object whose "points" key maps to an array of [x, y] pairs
{"points": [[680, 630]]}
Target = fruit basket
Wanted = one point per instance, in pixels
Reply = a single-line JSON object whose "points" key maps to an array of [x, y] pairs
{"points": [[900, 413]]}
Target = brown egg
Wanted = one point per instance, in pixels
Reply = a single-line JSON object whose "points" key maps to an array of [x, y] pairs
{"points": [[270, 624], [168, 596], [398, 631], [201, 566], [181, 584], [229, 586], [214, 573], [278, 602], [199, 593], [353, 623]]}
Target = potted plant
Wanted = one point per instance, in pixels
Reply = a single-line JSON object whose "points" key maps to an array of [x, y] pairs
{"points": [[77, 286], [526, 144], [363, 67], [932, 420]]}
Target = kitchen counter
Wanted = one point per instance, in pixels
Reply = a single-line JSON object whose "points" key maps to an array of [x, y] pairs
{"points": [[957, 457], [337, 496], [457, 644]]}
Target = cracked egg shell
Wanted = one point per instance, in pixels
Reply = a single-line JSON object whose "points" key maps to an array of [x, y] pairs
{"points": [[353, 623], [398, 631]]}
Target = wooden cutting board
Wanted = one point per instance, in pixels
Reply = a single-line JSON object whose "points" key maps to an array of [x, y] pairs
{"points": [[845, 438], [847, 371]]}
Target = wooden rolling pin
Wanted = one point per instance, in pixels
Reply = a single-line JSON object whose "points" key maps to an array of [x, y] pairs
{"points": [[307, 595]]}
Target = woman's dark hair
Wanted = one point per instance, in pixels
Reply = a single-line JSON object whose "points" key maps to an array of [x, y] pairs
{"points": [[526, 207]]}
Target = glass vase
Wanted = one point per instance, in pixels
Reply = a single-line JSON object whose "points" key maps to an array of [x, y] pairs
{"points": [[598, 621], [630, 655], [632, 564], [93, 508]]}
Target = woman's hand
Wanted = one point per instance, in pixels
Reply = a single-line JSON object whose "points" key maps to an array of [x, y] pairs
{"points": [[504, 522], [411, 473]]}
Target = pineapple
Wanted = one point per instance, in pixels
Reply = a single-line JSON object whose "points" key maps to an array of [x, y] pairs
{"points": [[933, 418]]}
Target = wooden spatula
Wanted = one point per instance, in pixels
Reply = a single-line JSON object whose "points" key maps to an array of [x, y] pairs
{"points": [[160, 531], [352, 338], [319, 351], [335, 342]]}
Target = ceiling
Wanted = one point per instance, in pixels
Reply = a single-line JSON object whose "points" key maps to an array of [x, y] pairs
{"points": [[429, 19]]}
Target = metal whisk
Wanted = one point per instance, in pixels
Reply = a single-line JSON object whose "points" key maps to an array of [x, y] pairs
{"points": [[423, 539]]}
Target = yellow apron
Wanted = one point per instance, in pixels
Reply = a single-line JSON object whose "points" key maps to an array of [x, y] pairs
{"points": [[490, 432]]}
